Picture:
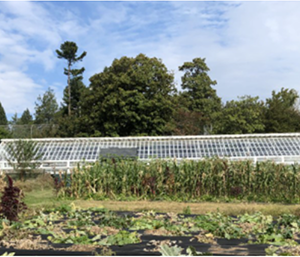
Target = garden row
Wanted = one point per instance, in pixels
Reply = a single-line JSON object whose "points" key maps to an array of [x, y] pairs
{"points": [[68, 230], [208, 179]]}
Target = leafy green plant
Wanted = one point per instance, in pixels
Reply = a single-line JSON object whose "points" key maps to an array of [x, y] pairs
{"points": [[121, 238], [74, 237], [166, 250]]}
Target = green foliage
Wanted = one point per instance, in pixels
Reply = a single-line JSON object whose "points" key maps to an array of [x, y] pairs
{"points": [[78, 89], [258, 228], [22, 127], [241, 117], [199, 94], [46, 108], [166, 250], [23, 156], [26, 118], [131, 97], [121, 238], [75, 237], [281, 114], [186, 122], [68, 51], [3, 119], [187, 210], [198, 180], [4, 132], [220, 225]]}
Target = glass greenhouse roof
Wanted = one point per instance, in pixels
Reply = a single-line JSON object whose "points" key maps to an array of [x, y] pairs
{"points": [[64, 153]]}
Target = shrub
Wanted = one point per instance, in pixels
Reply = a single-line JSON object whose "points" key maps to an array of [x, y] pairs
{"points": [[11, 205]]}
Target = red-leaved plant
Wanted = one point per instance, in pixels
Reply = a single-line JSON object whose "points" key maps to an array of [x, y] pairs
{"points": [[11, 205]]}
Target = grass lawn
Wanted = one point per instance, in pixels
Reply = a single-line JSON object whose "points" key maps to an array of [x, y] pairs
{"points": [[38, 199]]}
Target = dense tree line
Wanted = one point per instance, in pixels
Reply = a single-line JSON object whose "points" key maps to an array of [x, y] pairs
{"points": [[137, 96]]}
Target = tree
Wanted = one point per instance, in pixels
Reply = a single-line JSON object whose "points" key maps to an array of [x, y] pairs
{"points": [[78, 88], [23, 156], [3, 119], [68, 51], [26, 118], [199, 94], [241, 117], [4, 133], [281, 114], [187, 122], [69, 126], [131, 97], [14, 119], [46, 108]]}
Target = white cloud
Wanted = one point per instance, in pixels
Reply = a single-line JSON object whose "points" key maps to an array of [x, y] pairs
{"points": [[17, 90], [250, 47]]}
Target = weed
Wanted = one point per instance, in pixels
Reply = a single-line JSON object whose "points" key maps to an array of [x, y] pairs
{"points": [[187, 210]]}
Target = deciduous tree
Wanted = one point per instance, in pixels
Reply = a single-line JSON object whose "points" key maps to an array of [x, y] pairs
{"points": [[131, 97], [241, 117], [281, 114]]}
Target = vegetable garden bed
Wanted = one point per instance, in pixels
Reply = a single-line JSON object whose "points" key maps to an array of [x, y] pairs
{"points": [[98, 231]]}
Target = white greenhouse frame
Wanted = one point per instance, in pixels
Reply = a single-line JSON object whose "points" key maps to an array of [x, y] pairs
{"points": [[66, 153]]}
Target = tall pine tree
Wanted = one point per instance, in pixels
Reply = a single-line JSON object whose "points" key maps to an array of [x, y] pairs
{"points": [[68, 51], [3, 119]]}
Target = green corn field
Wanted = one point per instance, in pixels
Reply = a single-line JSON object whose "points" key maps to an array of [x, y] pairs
{"points": [[185, 180]]}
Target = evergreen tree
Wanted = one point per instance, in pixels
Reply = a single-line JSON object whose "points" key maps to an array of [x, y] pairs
{"points": [[199, 95], [46, 108], [26, 118], [68, 51], [78, 88], [3, 119]]}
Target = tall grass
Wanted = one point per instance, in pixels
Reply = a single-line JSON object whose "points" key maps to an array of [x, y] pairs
{"points": [[187, 180]]}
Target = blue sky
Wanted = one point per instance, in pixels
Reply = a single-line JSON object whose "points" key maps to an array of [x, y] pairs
{"points": [[251, 48]]}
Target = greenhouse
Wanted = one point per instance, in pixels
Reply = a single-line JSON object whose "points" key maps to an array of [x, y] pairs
{"points": [[66, 153]]}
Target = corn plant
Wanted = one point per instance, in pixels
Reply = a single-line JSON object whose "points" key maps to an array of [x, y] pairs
{"points": [[215, 178]]}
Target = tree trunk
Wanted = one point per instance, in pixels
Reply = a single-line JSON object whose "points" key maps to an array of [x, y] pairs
{"points": [[69, 89]]}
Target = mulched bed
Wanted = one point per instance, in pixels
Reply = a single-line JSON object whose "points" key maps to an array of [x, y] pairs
{"points": [[84, 222]]}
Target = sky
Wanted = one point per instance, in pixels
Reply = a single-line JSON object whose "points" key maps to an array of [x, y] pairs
{"points": [[251, 48]]}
